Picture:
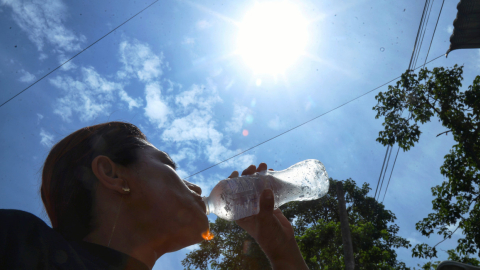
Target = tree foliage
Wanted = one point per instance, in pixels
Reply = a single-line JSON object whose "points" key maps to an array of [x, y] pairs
{"points": [[317, 230], [416, 99], [452, 256]]}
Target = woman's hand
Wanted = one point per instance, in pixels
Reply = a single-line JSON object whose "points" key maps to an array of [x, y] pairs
{"points": [[272, 230]]}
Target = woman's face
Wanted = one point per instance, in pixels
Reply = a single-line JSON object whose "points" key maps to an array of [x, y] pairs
{"points": [[167, 208]]}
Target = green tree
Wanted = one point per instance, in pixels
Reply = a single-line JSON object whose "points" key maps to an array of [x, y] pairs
{"points": [[317, 230], [416, 99], [452, 256]]}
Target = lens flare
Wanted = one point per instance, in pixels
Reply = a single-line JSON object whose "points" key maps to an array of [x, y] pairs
{"points": [[208, 235], [245, 132]]}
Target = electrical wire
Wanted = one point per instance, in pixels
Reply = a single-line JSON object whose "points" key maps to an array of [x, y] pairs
{"points": [[434, 30], [383, 179], [71, 58], [306, 121], [415, 53], [416, 38], [428, 52], [381, 171], [390, 174], [424, 31]]}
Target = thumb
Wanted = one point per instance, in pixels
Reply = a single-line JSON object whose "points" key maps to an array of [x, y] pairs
{"points": [[266, 201]]}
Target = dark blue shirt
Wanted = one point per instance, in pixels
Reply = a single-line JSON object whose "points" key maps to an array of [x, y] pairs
{"points": [[26, 242]]}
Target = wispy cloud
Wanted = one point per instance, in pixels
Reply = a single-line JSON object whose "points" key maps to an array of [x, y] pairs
{"points": [[188, 41], [276, 123], [140, 61], [236, 123], [26, 77], [46, 138], [89, 96], [203, 24], [43, 21], [449, 29], [194, 126], [156, 110]]}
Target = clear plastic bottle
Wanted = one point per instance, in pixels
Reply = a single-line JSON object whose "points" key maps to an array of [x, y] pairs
{"points": [[236, 198]]}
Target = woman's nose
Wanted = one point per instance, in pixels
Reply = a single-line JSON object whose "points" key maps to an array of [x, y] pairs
{"points": [[194, 187]]}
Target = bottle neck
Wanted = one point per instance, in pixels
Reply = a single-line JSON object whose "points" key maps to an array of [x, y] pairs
{"points": [[207, 205]]}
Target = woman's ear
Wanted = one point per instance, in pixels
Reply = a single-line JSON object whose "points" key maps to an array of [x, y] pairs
{"points": [[108, 174]]}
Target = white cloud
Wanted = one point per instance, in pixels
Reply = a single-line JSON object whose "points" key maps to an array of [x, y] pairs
{"points": [[156, 109], [238, 118], [188, 41], [172, 85], [67, 66], [275, 123], [184, 153], [42, 56], [449, 29], [90, 96], [203, 24], [46, 138], [139, 60], [39, 118], [27, 77], [43, 21], [132, 103], [203, 97]]}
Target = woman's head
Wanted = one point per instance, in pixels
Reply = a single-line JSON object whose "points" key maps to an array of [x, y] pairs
{"points": [[83, 187], [68, 183]]}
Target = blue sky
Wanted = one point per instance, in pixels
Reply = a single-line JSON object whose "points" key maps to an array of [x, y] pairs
{"points": [[174, 71]]}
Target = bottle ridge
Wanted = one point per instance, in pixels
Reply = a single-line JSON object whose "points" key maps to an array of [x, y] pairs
{"points": [[239, 197]]}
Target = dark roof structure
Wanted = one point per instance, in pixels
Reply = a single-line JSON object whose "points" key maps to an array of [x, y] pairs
{"points": [[466, 27]]}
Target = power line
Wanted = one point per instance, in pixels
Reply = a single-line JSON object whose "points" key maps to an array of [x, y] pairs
{"points": [[424, 31], [415, 53], [383, 179], [78, 53], [390, 175], [306, 121], [381, 171], [416, 38], [434, 30]]}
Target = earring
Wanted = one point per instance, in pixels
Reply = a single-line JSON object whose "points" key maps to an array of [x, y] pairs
{"points": [[126, 189]]}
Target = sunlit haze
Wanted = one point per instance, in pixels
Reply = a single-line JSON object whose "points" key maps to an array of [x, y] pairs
{"points": [[272, 36]]}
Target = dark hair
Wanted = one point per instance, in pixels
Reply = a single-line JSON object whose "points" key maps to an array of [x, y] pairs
{"points": [[68, 183]]}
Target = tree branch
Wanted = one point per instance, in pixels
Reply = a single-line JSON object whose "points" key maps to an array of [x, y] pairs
{"points": [[444, 132]]}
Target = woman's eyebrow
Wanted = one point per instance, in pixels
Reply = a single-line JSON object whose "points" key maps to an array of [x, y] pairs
{"points": [[169, 160]]}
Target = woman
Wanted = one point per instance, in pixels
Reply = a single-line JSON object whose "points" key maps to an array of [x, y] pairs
{"points": [[116, 202]]}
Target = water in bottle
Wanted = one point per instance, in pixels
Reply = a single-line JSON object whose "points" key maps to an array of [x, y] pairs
{"points": [[236, 198]]}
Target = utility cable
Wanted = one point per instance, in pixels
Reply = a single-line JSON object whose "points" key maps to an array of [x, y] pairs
{"points": [[381, 171], [306, 122], [415, 53], [424, 31], [385, 172], [418, 33], [71, 58], [390, 174], [434, 30], [441, 8]]}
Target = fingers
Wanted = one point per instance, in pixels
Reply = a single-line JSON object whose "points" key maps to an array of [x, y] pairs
{"points": [[234, 174], [262, 167], [266, 202], [250, 170]]}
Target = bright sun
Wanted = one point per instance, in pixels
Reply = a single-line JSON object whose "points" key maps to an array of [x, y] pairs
{"points": [[272, 36]]}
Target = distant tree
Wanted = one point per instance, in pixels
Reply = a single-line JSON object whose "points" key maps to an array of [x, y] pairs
{"points": [[317, 230], [452, 256], [417, 98]]}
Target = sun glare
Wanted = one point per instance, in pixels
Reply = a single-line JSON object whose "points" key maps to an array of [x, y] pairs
{"points": [[272, 36]]}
